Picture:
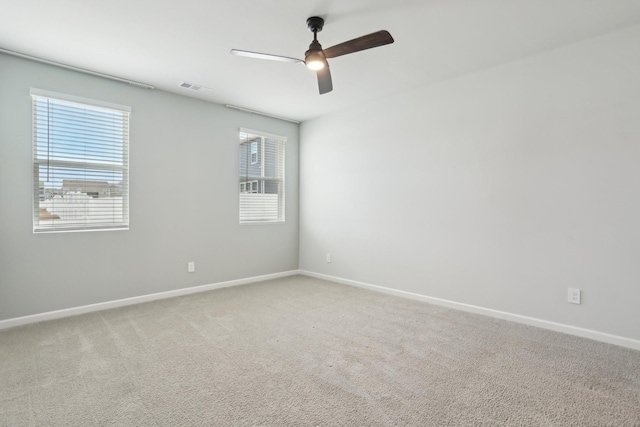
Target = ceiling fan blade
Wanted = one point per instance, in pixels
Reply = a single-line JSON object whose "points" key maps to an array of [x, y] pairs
{"points": [[264, 56], [324, 79], [379, 38]]}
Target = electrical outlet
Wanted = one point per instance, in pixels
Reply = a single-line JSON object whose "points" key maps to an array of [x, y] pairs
{"points": [[328, 257], [191, 266], [574, 296]]}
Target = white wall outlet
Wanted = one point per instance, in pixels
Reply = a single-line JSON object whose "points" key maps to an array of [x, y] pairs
{"points": [[191, 266], [574, 296], [328, 257]]}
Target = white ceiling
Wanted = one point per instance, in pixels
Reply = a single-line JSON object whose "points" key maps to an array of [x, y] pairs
{"points": [[166, 42]]}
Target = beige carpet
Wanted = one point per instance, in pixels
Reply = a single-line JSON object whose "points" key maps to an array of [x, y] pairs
{"points": [[301, 351]]}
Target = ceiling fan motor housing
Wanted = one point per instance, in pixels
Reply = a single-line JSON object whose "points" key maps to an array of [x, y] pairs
{"points": [[314, 58], [315, 46]]}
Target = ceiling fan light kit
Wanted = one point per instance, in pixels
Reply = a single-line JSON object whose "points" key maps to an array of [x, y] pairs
{"points": [[316, 58]]}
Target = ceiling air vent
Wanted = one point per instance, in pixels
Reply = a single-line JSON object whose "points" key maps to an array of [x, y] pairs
{"points": [[197, 88]]}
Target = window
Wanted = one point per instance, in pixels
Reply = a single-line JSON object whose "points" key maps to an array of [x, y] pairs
{"points": [[249, 187], [254, 152], [262, 181], [80, 163]]}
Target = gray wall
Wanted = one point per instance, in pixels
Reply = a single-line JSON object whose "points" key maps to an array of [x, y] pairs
{"points": [[500, 189], [183, 201]]}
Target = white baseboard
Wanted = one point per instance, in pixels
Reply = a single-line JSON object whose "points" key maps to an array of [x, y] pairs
{"points": [[50, 315], [532, 321], [554, 326]]}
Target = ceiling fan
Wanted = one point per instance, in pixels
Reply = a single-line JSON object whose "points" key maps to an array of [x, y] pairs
{"points": [[316, 58]]}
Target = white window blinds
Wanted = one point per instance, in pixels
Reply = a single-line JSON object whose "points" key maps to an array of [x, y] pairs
{"points": [[80, 163], [261, 183]]}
